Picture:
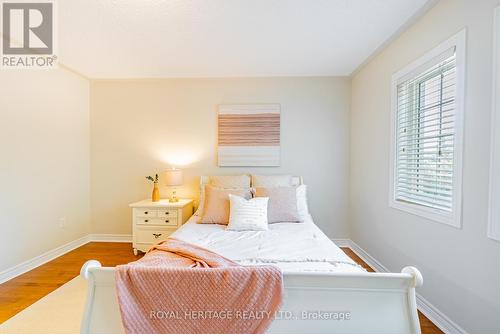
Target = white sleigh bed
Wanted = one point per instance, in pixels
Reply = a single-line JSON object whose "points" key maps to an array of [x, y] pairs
{"points": [[320, 281]]}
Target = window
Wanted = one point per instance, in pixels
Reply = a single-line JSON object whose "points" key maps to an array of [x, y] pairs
{"points": [[427, 134]]}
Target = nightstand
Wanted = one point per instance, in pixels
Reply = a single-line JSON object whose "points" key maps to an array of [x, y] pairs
{"points": [[154, 221]]}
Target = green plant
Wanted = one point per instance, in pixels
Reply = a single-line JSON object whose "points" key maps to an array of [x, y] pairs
{"points": [[150, 178]]}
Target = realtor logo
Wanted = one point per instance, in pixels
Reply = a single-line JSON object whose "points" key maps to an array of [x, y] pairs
{"points": [[28, 34]]}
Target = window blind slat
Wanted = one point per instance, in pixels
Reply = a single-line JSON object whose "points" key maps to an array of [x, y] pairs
{"points": [[420, 174], [447, 113], [420, 178], [430, 109], [427, 139], [431, 92], [450, 124], [437, 171], [428, 188], [418, 148], [423, 135], [434, 156], [430, 196]]}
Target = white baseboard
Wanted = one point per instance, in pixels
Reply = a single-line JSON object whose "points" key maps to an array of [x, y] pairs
{"points": [[342, 242], [37, 261], [430, 311], [437, 317], [110, 237], [370, 260]]}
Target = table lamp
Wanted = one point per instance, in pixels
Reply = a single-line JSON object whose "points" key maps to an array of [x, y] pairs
{"points": [[173, 179]]}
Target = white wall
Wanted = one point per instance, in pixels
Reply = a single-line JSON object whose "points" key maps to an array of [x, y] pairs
{"points": [[142, 126], [461, 267], [44, 164]]}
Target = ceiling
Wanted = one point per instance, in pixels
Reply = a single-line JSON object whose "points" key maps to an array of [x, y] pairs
{"points": [[226, 38]]}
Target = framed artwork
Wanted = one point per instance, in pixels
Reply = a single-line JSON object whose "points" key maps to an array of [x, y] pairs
{"points": [[249, 135]]}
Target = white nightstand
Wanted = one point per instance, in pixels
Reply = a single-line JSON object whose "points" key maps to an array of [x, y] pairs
{"points": [[154, 221]]}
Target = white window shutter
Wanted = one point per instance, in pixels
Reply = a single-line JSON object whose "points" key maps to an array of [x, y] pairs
{"points": [[425, 136]]}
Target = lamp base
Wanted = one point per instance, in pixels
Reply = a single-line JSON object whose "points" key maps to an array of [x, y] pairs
{"points": [[173, 198]]}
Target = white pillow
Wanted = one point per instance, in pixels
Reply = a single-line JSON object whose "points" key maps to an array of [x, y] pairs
{"points": [[247, 215], [302, 207], [271, 181]]}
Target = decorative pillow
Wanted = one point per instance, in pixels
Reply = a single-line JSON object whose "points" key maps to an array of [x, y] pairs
{"points": [[271, 181], [216, 204], [282, 204], [222, 181], [247, 214], [302, 207], [230, 181]]}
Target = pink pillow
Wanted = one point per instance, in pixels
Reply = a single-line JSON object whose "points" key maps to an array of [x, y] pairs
{"points": [[282, 204], [216, 205]]}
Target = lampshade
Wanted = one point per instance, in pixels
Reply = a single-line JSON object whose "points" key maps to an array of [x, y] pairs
{"points": [[173, 177]]}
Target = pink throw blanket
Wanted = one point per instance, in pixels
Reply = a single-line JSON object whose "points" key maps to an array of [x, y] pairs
{"points": [[180, 288]]}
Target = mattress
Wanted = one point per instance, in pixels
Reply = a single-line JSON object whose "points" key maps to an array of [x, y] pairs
{"points": [[294, 247]]}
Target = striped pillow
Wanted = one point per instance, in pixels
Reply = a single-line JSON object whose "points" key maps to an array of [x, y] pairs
{"points": [[247, 215]]}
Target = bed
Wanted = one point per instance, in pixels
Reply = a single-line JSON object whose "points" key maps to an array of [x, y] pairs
{"points": [[325, 290], [292, 247]]}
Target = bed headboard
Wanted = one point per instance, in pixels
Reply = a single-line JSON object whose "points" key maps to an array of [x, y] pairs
{"points": [[296, 180]]}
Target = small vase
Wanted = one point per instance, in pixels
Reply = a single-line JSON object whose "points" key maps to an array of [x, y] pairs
{"points": [[155, 196]]}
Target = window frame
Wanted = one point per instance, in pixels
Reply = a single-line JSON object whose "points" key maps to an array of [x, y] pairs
{"points": [[453, 218], [494, 191]]}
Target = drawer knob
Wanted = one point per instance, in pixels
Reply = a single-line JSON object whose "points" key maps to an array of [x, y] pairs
{"points": [[157, 235], [146, 220], [167, 213], [146, 212], [166, 221]]}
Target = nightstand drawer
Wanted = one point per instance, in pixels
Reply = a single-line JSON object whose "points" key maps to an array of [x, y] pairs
{"points": [[167, 213], [153, 222], [152, 236], [145, 212], [168, 221]]}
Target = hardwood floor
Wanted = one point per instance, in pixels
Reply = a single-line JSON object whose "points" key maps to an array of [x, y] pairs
{"points": [[24, 290]]}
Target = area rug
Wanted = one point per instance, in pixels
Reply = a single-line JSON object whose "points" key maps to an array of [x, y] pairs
{"points": [[60, 312]]}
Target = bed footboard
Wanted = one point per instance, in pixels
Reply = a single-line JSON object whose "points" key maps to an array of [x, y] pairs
{"points": [[313, 303]]}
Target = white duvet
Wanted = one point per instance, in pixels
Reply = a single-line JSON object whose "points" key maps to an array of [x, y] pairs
{"points": [[294, 247]]}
